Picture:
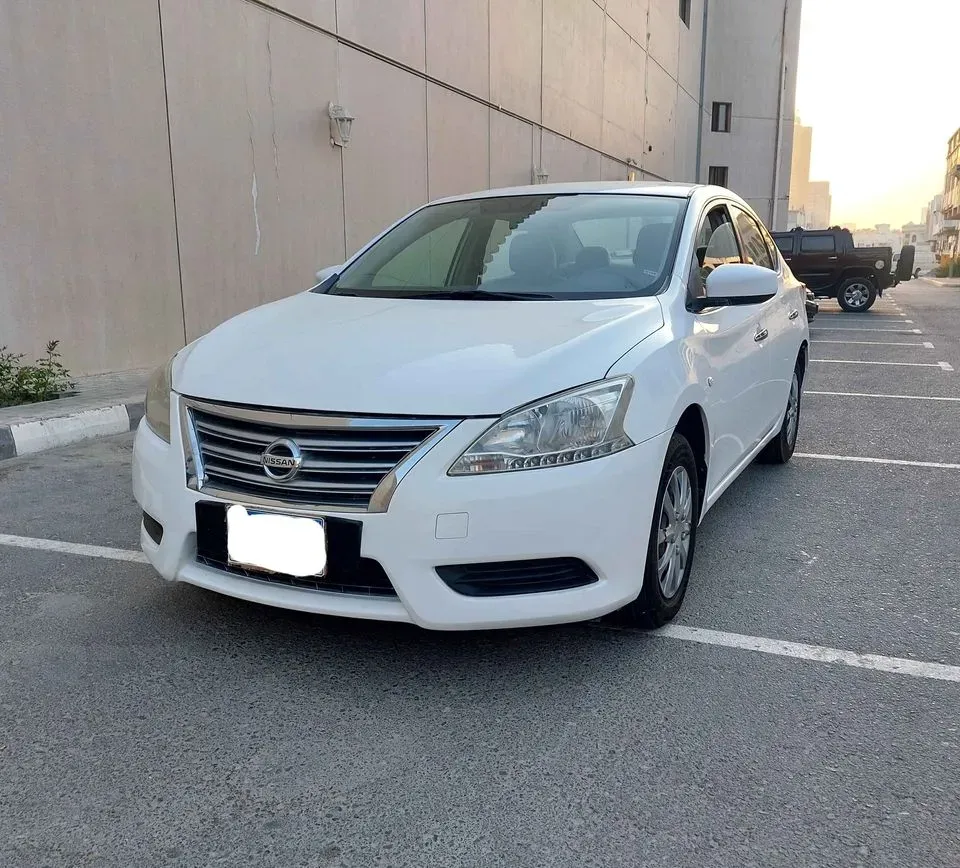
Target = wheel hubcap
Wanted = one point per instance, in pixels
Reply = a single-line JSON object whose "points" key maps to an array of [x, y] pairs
{"points": [[792, 420], [674, 532], [857, 294]]}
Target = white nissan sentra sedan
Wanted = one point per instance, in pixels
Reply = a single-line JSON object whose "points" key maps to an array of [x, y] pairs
{"points": [[511, 408]]}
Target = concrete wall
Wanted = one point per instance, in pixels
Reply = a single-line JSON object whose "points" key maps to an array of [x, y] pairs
{"points": [[165, 168], [747, 42]]}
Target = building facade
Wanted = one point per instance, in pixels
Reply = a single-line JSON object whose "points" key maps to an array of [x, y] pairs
{"points": [[168, 164], [810, 200], [948, 236]]}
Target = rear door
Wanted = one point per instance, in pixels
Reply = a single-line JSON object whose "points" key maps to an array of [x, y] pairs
{"points": [[782, 318], [815, 260]]}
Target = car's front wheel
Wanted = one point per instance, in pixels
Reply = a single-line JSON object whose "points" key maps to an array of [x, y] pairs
{"points": [[857, 294], [673, 537]]}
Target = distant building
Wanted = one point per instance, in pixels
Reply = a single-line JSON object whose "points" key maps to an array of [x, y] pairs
{"points": [[819, 204], [810, 198], [948, 237]]}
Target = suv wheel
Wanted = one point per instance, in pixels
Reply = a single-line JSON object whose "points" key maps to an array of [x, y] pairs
{"points": [[857, 294]]}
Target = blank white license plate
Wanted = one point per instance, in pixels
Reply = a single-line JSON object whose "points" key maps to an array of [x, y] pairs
{"points": [[281, 544]]}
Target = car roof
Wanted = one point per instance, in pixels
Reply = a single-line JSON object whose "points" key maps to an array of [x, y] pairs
{"points": [[640, 188]]}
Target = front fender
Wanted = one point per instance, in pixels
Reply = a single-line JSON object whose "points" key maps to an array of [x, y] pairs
{"points": [[665, 386]]}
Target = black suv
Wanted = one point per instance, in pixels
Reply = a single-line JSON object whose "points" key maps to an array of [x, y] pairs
{"points": [[831, 266]]}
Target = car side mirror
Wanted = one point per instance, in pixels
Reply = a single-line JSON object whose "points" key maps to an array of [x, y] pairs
{"points": [[735, 284], [324, 273]]}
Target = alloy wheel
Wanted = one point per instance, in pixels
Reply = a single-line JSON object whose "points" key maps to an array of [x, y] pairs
{"points": [[857, 294], [675, 528], [793, 410]]}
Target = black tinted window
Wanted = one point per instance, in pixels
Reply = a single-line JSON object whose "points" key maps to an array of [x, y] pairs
{"points": [[785, 245], [817, 244]]}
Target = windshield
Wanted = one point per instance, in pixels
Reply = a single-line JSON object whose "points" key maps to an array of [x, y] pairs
{"points": [[524, 247]]}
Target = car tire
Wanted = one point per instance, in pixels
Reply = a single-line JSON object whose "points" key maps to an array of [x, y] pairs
{"points": [[780, 450], [857, 294], [673, 532]]}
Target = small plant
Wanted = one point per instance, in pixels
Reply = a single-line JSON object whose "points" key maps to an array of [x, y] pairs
{"points": [[26, 384], [949, 267]]}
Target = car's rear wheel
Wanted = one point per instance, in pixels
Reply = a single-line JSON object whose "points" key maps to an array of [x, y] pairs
{"points": [[673, 537], [857, 294], [780, 449]]}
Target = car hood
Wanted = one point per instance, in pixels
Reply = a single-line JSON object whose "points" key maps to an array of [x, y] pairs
{"points": [[344, 354]]}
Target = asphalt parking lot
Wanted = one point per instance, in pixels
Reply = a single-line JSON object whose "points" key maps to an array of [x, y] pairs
{"points": [[149, 724]]}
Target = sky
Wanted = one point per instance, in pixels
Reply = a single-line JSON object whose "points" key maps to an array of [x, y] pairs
{"points": [[879, 82]]}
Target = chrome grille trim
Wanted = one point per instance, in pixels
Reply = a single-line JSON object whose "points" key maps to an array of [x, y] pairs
{"points": [[350, 463]]}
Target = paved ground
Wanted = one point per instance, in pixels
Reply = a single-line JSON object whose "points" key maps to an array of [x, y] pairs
{"points": [[148, 724]]}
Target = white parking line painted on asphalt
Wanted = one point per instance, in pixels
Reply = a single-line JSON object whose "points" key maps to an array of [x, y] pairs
{"points": [[52, 545], [925, 345], [761, 644], [943, 366], [815, 653], [859, 459], [873, 395], [817, 328]]}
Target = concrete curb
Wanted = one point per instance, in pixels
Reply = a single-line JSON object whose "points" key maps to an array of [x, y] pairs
{"points": [[31, 437]]}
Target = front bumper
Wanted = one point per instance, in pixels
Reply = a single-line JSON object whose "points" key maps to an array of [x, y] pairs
{"points": [[599, 511]]}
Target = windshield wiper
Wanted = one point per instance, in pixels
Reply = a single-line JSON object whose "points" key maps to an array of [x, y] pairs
{"points": [[470, 294]]}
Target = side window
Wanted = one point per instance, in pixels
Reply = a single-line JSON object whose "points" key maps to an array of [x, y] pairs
{"points": [[716, 245], [818, 244], [755, 251], [785, 245], [426, 262]]}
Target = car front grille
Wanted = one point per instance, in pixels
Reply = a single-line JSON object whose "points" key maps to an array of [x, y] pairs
{"points": [[344, 459]]}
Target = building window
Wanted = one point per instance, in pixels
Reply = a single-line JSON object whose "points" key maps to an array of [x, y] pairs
{"points": [[721, 117], [718, 175], [685, 11]]}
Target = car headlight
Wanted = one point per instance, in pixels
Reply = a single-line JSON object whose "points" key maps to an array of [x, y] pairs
{"points": [[880, 264], [156, 407], [578, 425]]}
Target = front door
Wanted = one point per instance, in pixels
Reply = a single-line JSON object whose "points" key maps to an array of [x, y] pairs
{"points": [[728, 344]]}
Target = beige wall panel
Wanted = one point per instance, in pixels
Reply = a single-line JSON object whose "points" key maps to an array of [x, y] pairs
{"points": [[393, 28], [385, 165], [664, 29], [458, 44], [631, 15], [458, 144], [691, 48], [87, 237], [323, 13], [685, 141], [568, 161], [624, 73], [611, 170], [259, 197], [573, 68], [515, 44], [511, 151], [660, 122]]}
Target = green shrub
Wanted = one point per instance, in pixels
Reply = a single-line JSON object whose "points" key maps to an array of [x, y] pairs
{"points": [[25, 384]]}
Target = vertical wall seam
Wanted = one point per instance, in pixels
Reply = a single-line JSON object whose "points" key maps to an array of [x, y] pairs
{"points": [[173, 181], [703, 93]]}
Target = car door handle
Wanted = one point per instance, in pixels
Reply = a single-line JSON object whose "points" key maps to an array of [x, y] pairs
{"points": [[794, 314], [761, 335]]}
